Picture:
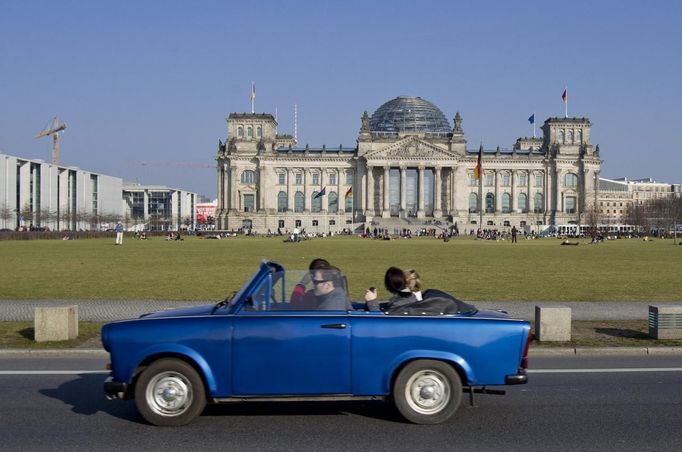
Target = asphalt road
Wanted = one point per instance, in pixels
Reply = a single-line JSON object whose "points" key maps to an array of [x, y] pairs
{"points": [[577, 403]]}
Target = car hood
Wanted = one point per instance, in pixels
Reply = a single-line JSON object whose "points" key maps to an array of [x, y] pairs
{"points": [[194, 311]]}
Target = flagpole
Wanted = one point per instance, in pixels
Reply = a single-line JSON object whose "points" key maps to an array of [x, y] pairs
{"points": [[253, 96], [566, 102], [533, 124]]}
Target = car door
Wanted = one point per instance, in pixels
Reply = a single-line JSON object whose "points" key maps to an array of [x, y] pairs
{"points": [[291, 353]]}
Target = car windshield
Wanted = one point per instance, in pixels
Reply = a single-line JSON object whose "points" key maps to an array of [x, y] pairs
{"points": [[297, 290]]}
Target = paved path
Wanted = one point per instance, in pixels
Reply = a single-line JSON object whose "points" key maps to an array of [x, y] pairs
{"points": [[108, 310]]}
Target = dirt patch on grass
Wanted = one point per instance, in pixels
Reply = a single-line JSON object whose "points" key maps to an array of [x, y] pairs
{"points": [[611, 333]]}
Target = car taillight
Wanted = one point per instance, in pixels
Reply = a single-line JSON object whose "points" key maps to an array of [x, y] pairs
{"points": [[524, 357]]}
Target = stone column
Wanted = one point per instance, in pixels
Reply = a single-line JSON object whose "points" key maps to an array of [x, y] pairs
{"points": [[386, 212], [420, 188], [403, 191], [437, 204], [234, 202], [306, 192], [498, 192], [369, 205], [290, 191]]}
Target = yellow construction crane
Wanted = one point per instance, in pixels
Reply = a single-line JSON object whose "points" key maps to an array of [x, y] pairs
{"points": [[53, 129]]}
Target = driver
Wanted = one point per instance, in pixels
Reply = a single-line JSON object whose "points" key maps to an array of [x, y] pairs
{"points": [[328, 289]]}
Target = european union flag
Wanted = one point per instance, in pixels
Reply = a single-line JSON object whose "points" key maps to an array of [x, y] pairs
{"points": [[321, 193], [531, 119]]}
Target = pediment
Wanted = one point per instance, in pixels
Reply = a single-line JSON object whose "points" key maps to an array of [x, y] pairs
{"points": [[410, 148]]}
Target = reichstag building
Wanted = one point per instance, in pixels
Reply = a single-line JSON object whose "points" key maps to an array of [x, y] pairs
{"points": [[410, 165]]}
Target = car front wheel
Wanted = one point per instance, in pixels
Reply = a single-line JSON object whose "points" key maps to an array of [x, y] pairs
{"points": [[427, 392], [170, 392]]}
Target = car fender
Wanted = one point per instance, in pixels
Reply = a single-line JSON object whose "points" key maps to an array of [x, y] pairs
{"points": [[438, 355], [172, 349]]}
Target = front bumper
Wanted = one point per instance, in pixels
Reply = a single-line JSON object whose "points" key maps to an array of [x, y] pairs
{"points": [[115, 389], [519, 378]]}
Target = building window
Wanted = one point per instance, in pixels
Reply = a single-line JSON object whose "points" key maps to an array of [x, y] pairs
{"points": [[240, 132], [506, 179], [522, 223], [523, 202], [569, 137], [489, 203], [280, 224], [506, 223], [489, 179], [490, 223], [249, 132], [298, 223], [349, 203], [579, 136], [349, 178], [298, 202], [538, 180], [249, 177], [571, 180], [332, 222], [473, 202], [538, 203], [299, 179], [332, 179], [316, 179], [282, 201], [248, 203], [561, 136], [506, 203], [333, 202], [315, 202], [281, 178], [259, 131], [522, 179], [315, 222], [472, 180], [569, 203]]}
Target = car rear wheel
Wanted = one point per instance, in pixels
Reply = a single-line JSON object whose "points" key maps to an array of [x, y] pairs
{"points": [[427, 392], [170, 392]]}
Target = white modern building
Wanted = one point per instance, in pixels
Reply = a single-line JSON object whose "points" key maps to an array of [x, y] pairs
{"points": [[37, 194], [158, 208]]}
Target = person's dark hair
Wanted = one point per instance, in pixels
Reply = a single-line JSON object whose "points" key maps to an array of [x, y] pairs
{"points": [[394, 280], [331, 273], [318, 264]]}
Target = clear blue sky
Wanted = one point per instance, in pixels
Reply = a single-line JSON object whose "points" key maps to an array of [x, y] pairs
{"points": [[153, 81]]}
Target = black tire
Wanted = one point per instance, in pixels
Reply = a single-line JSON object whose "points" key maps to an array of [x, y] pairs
{"points": [[169, 393], [427, 392]]}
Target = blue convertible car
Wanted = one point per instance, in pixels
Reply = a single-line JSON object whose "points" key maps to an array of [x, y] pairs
{"points": [[261, 345]]}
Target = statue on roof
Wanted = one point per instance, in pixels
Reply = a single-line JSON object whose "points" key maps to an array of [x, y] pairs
{"points": [[365, 123]]}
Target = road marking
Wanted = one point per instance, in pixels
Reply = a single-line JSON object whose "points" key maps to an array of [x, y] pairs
{"points": [[597, 371], [51, 372]]}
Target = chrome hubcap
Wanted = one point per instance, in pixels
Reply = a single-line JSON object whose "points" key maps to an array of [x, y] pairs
{"points": [[169, 394], [427, 392]]}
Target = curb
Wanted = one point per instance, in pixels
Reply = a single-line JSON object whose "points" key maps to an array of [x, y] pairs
{"points": [[533, 352], [53, 353], [603, 351]]}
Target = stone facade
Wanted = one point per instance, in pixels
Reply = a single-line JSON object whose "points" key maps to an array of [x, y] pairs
{"points": [[404, 172]]}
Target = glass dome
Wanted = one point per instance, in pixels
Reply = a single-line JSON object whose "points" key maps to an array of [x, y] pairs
{"points": [[409, 114]]}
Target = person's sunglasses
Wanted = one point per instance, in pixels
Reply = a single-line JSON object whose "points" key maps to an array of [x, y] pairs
{"points": [[319, 281]]}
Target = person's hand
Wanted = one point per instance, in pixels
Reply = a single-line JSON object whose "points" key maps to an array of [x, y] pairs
{"points": [[370, 295]]}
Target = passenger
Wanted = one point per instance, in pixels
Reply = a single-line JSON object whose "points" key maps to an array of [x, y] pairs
{"points": [[396, 284], [329, 292], [414, 283]]}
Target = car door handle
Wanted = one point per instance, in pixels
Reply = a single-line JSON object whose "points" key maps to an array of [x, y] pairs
{"points": [[335, 326]]}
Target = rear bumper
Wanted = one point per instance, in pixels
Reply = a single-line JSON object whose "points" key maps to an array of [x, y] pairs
{"points": [[115, 389], [519, 378]]}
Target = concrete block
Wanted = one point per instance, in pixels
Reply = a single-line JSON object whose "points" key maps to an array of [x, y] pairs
{"points": [[665, 321], [56, 323], [552, 323]]}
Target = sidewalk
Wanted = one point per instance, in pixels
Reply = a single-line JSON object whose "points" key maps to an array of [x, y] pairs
{"points": [[110, 310]]}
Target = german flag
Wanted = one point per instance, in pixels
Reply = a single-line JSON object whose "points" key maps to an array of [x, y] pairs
{"points": [[349, 193], [477, 170]]}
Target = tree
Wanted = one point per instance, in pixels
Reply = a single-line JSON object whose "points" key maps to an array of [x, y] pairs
{"points": [[6, 215]]}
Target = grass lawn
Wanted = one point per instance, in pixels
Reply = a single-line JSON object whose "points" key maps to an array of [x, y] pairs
{"points": [[197, 269]]}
